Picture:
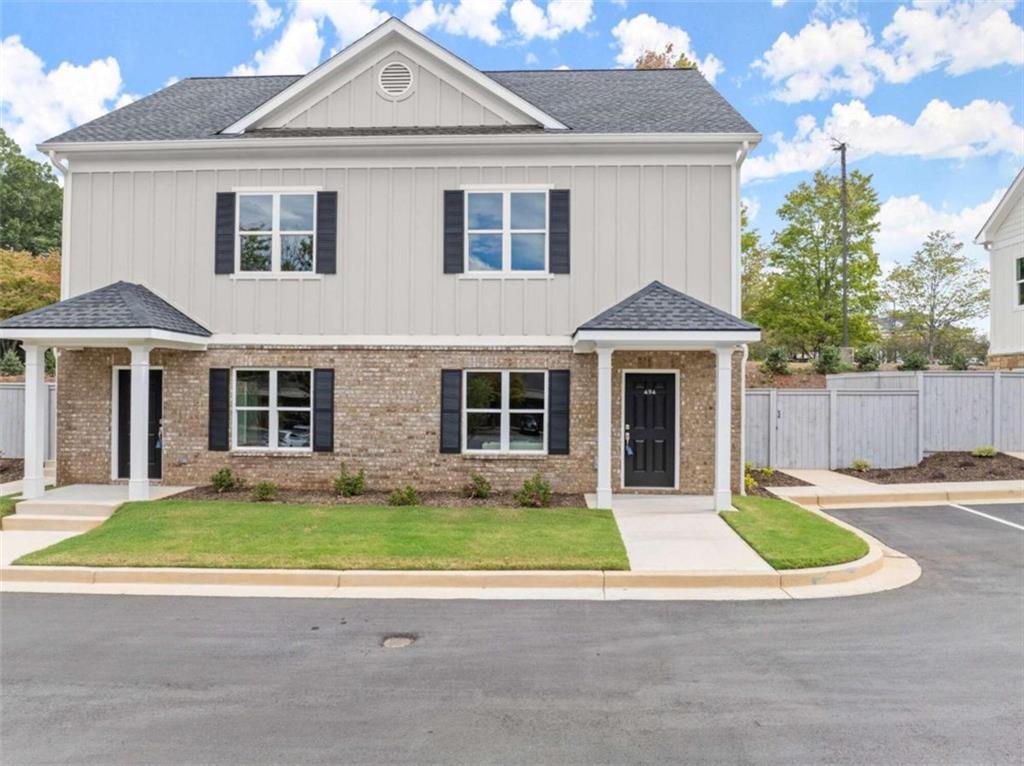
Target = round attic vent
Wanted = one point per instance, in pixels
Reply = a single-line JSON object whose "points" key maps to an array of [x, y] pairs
{"points": [[395, 79]]}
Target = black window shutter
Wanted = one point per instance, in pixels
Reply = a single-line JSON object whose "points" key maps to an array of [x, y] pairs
{"points": [[558, 230], [220, 409], [454, 203], [327, 232], [323, 410], [224, 238], [451, 411], [558, 412]]}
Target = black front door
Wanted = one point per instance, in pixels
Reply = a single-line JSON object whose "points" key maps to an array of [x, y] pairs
{"points": [[124, 417], [649, 429]]}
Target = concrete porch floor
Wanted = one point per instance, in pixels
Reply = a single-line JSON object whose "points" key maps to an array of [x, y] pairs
{"points": [[87, 499], [679, 533]]}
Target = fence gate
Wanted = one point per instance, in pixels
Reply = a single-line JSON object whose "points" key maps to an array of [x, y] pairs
{"points": [[802, 429]]}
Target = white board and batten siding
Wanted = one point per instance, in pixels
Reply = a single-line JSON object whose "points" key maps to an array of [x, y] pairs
{"points": [[12, 420]]}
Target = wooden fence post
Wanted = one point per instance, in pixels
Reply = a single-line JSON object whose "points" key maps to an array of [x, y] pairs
{"points": [[773, 422], [833, 429], [920, 417], [997, 436]]}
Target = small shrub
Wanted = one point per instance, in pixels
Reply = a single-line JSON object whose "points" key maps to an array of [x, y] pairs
{"points": [[536, 493], [767, 472], [11, 364], [776, 361], [986, 451], [477, 487], [350, 484], [265, 492], [914, 361], [860, 465], [223, 480], [959, 361], [406, 495], [867, 358], [828, 361], [749, 482]]}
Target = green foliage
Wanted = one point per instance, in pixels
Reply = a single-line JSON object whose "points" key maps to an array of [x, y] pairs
{"points": [[535, 493], [651, 59], [223, 480], [828, 362], [755, 277], [868, 358], [776, 361], [958, 361], [350, 484], [27, 281], [986, 451], [767, 472], [31, 201], [749, 482], [477, 487], [860, 465], [406, 495], [265, 492], [50, 362], [914, 361], [11, 364]]}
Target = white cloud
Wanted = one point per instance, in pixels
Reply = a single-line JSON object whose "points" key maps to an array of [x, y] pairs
{"points": [[531, 59], [644, 32], [778, 3], [470, 18], [264, 17], [39, 104], [844, 57], [906, 221], [940, 131], [561, 16], [753, 205], [563, 67]]}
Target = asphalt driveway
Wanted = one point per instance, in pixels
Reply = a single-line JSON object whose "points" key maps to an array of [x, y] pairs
{"points": [[931, 673]]}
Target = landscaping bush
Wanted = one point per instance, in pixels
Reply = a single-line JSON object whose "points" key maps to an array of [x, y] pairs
{"points": [[767, 472], [478, 487], [11, 364], [959, 361], [776, 361], [860, 465], [914, 361], [868, 358], [536, 493], [406, 495], [749, 482], [223, 480], [828, 361], [986, 451], [350, 484], [265, 492]]}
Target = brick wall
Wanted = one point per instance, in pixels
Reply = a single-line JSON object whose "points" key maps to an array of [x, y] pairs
{"points": [[1006, 361], [386, 417]]}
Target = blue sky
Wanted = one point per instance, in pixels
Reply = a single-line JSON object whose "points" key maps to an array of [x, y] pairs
{"points": [[929, 96]]}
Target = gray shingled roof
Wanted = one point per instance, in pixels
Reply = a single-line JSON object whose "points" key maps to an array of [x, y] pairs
{"points": [[120, 306], [587, 101], [658, 307]]}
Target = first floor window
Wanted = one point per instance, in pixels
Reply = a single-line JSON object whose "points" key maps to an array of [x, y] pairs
{"points": [[273, 409], [1020, 281], [275, 232], [505, 411]]}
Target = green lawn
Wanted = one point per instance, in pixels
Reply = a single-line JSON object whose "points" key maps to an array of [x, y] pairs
{"points": [[789, 537], [190, 533], [7, 504]]}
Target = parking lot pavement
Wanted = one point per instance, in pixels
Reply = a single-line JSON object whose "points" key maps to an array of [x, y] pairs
{"points": [[929, 673], [1009, 512]]}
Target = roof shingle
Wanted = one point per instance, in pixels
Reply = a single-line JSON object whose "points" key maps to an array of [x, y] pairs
{"points": [[658, 307]]}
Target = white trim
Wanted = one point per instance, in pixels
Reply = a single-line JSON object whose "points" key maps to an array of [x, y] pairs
{"points": [[995, 220], [506, 187], [604, 427], [723, 428], [511, 275], [506, 232], [107, 337], [394, 341], [392, 27], [584, 340], [277, 276], [276, 189], [504, 414], [138, 418], [272, 409], [622, 425], [36, 395], [114, 401]]}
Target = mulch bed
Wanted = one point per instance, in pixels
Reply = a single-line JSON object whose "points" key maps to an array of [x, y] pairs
{"points": [[947, 466], [775, 479], [326, 497], [801, 376], [11, 468]]}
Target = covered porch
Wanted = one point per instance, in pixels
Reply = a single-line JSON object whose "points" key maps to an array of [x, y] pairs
{"points": [[123, 316]]}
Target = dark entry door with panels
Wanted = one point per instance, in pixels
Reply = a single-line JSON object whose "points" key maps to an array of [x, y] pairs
{"points": [[124, 412], [649, 430]]}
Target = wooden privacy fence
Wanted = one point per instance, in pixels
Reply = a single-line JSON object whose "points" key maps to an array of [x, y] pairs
{"points": [[12, 420], [883, 422]]}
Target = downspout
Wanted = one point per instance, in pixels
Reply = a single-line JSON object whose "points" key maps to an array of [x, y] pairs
{"points": [[741, 155], [65, 234]]}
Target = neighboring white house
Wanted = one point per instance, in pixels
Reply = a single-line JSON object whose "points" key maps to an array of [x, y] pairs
{"points": [[1003, 236]]}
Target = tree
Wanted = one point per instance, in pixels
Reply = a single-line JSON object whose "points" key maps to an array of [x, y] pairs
{"points": [[802, 307], [651, 59], [30, 202], [27, 282], [755, 277], [938, 291]]}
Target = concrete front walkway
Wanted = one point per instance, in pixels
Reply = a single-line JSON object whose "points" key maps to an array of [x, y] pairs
{"points": [[680, 533]]}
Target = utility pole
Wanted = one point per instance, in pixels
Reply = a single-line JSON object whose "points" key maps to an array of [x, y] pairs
{"points": [[840, 146]]}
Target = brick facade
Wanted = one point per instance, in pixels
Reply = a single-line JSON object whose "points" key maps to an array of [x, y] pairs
{"points": [[1006, 361], [386, 417]]}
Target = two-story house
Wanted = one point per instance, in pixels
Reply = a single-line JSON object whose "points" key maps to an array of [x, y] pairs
{"points": [[405, 264]]}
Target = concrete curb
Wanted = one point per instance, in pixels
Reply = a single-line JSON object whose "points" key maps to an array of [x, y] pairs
{"points": [[882, 498]]}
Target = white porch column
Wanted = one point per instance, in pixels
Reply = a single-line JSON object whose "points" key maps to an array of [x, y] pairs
{"points": [[138, 475], [604, 427], [723, 429], [33, 483]]}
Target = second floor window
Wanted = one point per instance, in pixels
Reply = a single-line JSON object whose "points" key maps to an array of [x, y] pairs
{"points": [[506, 231], [1020, 281], [276, 232]]}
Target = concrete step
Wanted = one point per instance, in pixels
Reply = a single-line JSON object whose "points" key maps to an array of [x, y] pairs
{"points": [[66, 507], [21, 522]]}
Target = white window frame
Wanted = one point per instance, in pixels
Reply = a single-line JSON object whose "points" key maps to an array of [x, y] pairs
{"points": [[272, 408], [275, 233], [505, 414], [1018, 280], [507, 231]]}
